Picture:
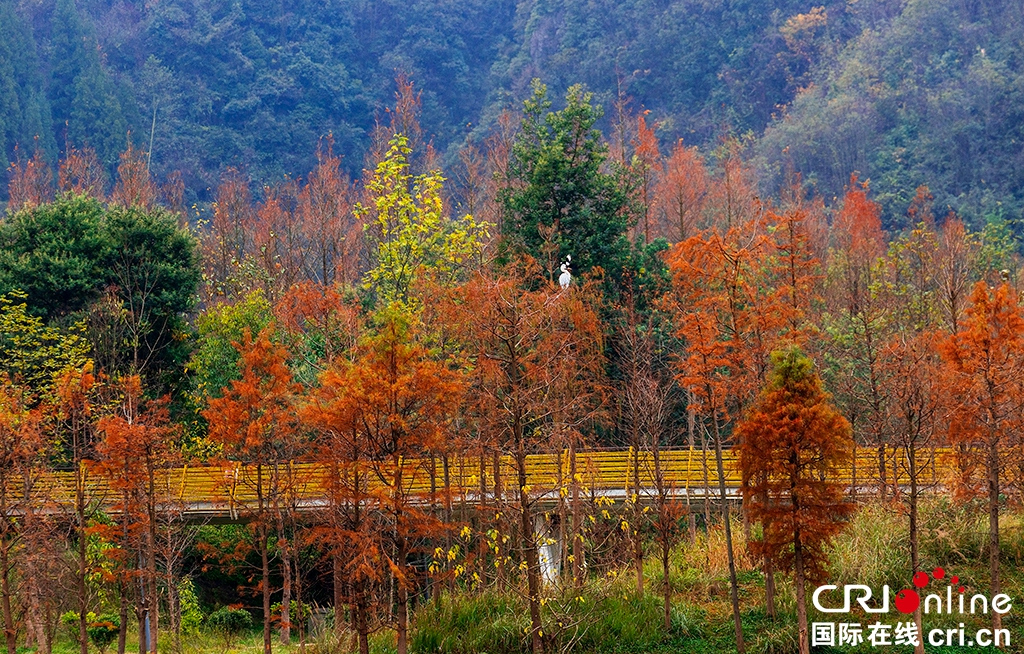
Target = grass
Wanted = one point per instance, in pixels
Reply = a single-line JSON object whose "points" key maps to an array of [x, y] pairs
{"points": [[607, 616]]}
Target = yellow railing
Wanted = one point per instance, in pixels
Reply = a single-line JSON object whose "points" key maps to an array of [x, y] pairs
{"points": [[620, 473]]}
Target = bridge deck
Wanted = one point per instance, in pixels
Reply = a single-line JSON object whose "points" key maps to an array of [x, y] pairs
{"points": [[230, 490]]}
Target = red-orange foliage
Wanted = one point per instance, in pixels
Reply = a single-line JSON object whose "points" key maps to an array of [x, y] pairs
{"points": [[277, 248], [646, 166], [679, 193], [227, 240], [134, 186], [255, 422], [134, 444], [388, 406], [82, 173], [21, 446], [31, 183], [985, 372], [331, 232], [320, 312], [791, 444], [537, 370]]}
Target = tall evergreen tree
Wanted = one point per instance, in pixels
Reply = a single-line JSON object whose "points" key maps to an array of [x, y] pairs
{"points": [[558, 200], [24, 111], [85, 106]]}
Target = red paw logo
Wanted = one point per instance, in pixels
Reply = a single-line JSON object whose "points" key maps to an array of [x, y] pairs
{"points": [[907, 600]]}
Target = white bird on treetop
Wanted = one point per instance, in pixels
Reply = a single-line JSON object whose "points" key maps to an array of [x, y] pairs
{"points": [[566, 277]]}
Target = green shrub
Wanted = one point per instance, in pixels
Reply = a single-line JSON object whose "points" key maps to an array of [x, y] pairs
{"points": [[298, 612], [617, 623], [103, 630], [230, 622], [188, 602]]}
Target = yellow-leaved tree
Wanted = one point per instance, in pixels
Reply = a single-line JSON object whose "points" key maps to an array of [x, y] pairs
{"points": [[409, 234]]}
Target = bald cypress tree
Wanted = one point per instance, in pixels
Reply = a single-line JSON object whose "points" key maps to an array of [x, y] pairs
{"points": [[791, 443]]}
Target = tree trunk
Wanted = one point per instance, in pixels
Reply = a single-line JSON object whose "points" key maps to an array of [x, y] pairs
{"points": [[362, 623], [529, 545], [993, 525], [401, 556], [83, 597], [154, 598], [666, 582], [35, 630], [769, 587], [636, 536], [801, 598], [173, 607], [10, 633], [733, 584], [265, 584], [339, 595], [142, 610], [122, 614], [286, 576], [915, 562], [691, 519]]}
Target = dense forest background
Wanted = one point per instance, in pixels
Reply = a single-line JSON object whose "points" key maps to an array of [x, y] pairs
{"points": [[903, 92]]}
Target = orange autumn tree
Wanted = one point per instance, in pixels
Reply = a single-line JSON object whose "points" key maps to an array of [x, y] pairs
{"points": [[347, 525], [791, 443], [254, 421], [533, 352], [21, 445], [985, 371], [134, 444], [387, 409]]}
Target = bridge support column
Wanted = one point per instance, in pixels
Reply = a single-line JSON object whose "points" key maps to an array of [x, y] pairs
{"points": [[549, 547]]}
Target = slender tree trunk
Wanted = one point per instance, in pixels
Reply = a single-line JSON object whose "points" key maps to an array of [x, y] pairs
{"points": [[691, 519], [122, 614], [915, 561], [801, 595], [338, 577], [35, 631], [142, 609], [578, 555], [154, 598], [10, 633], [733, 583], [301, 623], [769, 586], [262, 536], [883, 481], [636, 536], [265, 583], [499, 573], [83, 597], [361, 617], [993, 525], [529, 544], [286, 575], [173, 608], [666, 581], [666, 529], [401, 554]]}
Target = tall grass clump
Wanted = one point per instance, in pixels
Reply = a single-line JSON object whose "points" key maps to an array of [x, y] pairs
{"points": [[489, 622], [872, 549], [953, 532]]}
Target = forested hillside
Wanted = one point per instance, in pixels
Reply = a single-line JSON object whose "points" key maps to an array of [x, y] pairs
{"points": [[337, 321], [905, 92]]}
